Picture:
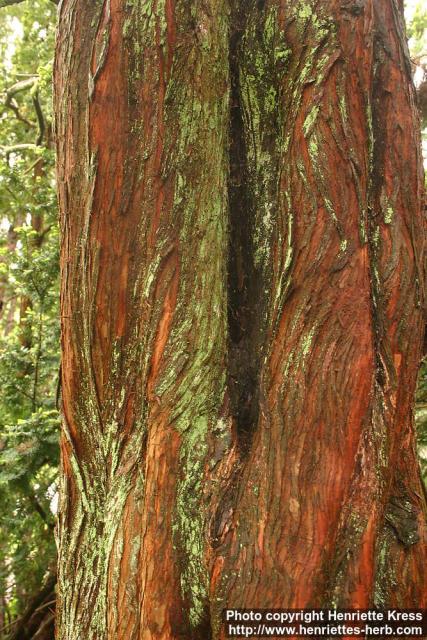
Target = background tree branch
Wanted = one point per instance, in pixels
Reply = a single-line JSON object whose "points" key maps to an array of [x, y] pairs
{"points": [[40, 118], [10, 102]]}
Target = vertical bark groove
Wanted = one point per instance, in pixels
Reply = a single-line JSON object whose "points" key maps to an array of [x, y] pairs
{"points": [[245, 314]]}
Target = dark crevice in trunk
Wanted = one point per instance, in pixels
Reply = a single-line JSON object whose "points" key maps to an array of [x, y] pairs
{"points": [[243, 280], [377, 100], [203, 630]]}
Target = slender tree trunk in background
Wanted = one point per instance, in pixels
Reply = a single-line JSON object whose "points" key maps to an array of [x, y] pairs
{"points": [[8, 304], [238, 368]]}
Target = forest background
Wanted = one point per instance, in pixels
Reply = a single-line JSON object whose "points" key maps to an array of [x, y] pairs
{"points": [[29, 310]]}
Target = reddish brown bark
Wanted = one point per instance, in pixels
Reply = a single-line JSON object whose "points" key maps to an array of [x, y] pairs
{"points": [[142, 137], [333, 460], [267, 461]]}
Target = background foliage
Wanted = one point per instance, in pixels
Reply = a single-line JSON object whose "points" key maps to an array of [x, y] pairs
{"points": [[29, 328], [29, 314]]}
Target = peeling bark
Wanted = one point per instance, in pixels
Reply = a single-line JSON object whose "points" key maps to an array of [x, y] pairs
{"points": [[142, 129], [242, 301]]}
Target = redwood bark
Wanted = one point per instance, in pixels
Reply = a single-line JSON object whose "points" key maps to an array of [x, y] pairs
{"points": [[331, 509], [242, 312]]}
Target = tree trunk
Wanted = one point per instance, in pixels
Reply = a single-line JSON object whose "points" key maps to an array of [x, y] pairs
{"points": [[242, 312]]}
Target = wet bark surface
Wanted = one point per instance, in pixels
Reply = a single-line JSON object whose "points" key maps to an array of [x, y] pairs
{"points": [[242, 312]]}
